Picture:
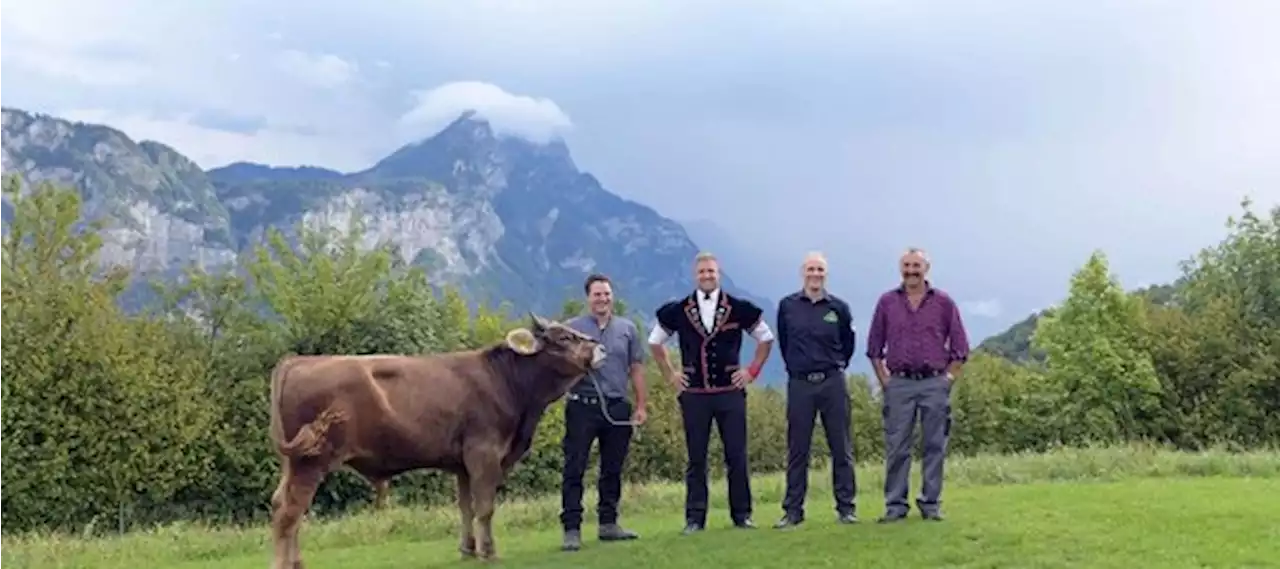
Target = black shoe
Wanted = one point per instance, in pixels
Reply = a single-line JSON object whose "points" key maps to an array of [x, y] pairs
{"points": [[692, 528], [932, 516], [572, 540], [788, 521], [888, 519], [615, 532], [849, 518], [745, 523]]}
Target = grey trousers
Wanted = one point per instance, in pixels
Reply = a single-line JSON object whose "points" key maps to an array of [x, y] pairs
{"points": [[904, 399]]}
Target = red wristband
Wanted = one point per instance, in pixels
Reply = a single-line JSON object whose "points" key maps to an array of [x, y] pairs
{"points": [[754, 370]]}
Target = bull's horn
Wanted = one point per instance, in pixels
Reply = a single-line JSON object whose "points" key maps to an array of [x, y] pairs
{"points": [[538, 323], [523, 342]]}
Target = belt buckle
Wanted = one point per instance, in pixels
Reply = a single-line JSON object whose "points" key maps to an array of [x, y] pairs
{"points": [[815, 377]]}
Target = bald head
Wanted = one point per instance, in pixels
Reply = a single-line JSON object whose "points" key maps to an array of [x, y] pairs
{"points": [[814, 257], [813, 272]]}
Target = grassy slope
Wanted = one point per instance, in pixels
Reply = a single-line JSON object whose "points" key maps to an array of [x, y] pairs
{"points": [[1129, 506]]}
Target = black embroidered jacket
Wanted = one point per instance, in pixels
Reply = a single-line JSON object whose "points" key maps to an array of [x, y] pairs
{"points": [[710, 357]]}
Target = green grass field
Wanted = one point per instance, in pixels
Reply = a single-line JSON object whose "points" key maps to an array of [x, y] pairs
{"points": [[1125, 507]]}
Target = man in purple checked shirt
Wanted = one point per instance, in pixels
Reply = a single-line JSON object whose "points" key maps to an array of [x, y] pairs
{"points": [[916, 345]]}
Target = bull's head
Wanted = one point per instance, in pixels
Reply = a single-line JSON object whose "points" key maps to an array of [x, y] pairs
{"points": [[566, 350]]}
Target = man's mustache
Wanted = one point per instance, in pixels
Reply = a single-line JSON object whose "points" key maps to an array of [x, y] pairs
{"points": [[910, 274]]}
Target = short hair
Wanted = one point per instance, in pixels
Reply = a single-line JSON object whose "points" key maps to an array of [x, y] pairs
{"points": [[594, 278], [917, 251], [705, 256]]}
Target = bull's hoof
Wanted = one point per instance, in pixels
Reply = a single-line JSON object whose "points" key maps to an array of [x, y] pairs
{"points": [[487, 552], [467, 547]]}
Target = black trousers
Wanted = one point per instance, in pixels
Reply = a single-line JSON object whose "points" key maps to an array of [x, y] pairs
{"points": [[729, 412], [806, 400], [584, 423]]}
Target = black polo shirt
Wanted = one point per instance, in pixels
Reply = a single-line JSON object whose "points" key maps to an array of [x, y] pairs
{"points": [[815, 335]]}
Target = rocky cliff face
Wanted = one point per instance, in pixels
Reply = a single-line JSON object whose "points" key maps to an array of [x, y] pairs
{"points": [[503, 218], [162, 208]]}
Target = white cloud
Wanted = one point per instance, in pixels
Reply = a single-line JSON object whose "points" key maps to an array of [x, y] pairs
{"points": [[534, 118], [323, 70], [88, 70], [989, 308]]}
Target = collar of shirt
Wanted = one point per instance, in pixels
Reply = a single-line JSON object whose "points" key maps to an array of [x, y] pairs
{"points": [[715, 296], [822, 295], [902, 289]]}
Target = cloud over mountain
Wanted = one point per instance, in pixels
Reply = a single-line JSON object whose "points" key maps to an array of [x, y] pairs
{"points": [[534, 118]]}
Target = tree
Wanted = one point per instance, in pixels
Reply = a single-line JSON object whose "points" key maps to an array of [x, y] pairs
{"points": [[1096, 354], [94, 400], [1220, 353]]}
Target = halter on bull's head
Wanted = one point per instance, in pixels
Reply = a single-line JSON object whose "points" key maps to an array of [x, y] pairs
{"points": [[563, 349]]}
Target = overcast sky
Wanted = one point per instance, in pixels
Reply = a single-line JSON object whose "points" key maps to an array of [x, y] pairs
{"points": [[1008, 138]]}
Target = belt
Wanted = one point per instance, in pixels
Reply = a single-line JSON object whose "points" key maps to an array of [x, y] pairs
{"points": [[591, 399], [917, 374], [813, 376]]}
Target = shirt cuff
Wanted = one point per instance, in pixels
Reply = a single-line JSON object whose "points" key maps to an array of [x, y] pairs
{"points": [[658, 335]]}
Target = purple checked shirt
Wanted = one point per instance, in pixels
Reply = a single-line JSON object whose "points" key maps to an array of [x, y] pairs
{"points": [[928, 338]]}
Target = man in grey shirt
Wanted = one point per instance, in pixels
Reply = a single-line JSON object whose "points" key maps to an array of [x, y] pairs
{"points": [[599, 407]]}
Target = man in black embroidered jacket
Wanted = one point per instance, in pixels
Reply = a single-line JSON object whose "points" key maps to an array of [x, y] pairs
{"points": [[712, 384]]}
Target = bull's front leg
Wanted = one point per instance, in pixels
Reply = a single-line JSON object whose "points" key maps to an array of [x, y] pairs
{"points": [[467, 544], [484, 466]]}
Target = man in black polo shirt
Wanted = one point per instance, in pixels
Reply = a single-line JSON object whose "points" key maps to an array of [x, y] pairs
{"points": [[712, 384], [816, 338]]}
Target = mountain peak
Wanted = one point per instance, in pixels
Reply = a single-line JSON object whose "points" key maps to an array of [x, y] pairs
{"points": [[469, 126], [470, 143]]}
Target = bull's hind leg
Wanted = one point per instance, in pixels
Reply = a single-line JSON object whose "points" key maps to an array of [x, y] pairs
{"points": [[485, 469], [467, 544], [292, 498], [381, 487]]}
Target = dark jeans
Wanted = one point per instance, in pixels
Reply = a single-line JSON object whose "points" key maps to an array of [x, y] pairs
{"points": [[829, 400], [904, 400], [584, 423], [729, 412]]}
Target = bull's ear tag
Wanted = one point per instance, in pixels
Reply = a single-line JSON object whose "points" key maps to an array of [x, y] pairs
{"points": [[522, 341]]}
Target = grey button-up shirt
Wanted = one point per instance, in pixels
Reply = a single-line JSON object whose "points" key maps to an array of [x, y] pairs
{"points": [[623, 347]]}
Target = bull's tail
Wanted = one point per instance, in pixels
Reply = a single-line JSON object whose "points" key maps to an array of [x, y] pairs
{"points": [[309, 441], [311, 438], [277, 382]]}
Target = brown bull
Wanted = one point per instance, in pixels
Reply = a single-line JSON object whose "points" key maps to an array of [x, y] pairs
{"points": [[469, 413]]}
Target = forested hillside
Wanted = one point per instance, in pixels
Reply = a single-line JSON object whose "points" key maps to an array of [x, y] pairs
{"points": [[122, 420]]}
